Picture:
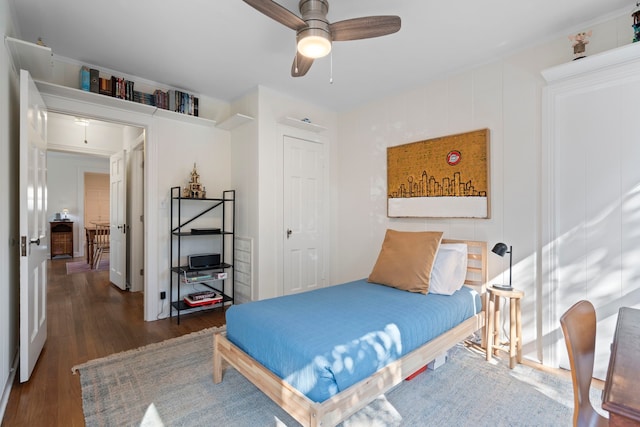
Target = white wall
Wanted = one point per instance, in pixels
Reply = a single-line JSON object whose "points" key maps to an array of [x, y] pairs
{"points": [[245, 180], [504, 96], [65, 189], [259, 178], [173, 143], [102, 138], [66, 72], [179, 145], [591, 236], [274, 107], [66, 167], [9, 260]]}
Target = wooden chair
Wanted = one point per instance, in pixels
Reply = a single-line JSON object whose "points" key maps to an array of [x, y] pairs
{"points": [[579, 329], [101, 243]]}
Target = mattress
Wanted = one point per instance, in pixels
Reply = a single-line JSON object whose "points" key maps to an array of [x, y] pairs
{"points": [[323, 341]]}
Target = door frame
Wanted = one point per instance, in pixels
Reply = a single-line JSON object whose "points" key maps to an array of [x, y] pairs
{"points": [[287, 131], [65, 105]]}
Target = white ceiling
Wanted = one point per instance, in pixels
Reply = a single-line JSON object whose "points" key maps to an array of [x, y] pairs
{"points": [[225, 48], [99, 138]]}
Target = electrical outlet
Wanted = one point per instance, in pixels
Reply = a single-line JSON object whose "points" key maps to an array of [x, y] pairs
{"points": [[163, 295]]}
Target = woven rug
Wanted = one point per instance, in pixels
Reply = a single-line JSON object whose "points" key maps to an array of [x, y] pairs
{"points": [[173, 381], [83, 267]]}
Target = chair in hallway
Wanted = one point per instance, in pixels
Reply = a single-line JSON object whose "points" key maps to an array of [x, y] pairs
{"points": [[579, 329], [101, 243]]}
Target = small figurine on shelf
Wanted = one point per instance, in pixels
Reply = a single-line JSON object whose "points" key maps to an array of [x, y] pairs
{"points": [[194, 189], [636, 23], [579, 43]]}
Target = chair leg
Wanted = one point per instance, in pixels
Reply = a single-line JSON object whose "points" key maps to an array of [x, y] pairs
{"points": [[96, 258]]}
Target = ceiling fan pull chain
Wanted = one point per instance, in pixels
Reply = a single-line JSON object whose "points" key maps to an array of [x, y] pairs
{"points": [[331, 68]]}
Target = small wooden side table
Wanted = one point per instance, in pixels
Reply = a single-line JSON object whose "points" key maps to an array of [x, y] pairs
{"points": [[514, 345], [61, 235]]}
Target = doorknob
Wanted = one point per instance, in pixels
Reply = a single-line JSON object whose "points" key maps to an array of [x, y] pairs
{"points": [[289, 232], [23, 244]]}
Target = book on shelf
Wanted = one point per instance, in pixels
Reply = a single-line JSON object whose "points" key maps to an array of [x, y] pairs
{"points": [[105, 86], [183, 102], [94, 80], [119, 87], [85, 79], [161, 99], [144, 98]]}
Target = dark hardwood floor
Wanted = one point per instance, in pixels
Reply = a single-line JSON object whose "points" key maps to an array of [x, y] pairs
{"points": [[87, 318]]}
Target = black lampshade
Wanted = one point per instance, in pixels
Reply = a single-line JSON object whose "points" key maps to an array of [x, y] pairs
{"points": [[500, 249]]}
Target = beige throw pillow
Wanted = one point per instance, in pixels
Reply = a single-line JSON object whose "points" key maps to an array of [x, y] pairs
{"points": [[406, 259]]}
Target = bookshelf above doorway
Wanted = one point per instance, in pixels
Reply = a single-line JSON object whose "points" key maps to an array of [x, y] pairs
{"points": [[35, 58]]}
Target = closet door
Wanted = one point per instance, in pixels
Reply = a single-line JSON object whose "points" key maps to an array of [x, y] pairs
{"points": [[592, 155]]}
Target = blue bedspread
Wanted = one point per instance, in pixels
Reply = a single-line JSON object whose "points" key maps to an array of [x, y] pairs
{"points": [[323, 341]]}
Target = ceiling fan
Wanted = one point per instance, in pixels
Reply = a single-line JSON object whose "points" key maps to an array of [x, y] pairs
{"points": [[314, 33]]}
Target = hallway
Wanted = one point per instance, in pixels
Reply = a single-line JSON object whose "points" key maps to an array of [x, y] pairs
{"points": [[88, 318]]}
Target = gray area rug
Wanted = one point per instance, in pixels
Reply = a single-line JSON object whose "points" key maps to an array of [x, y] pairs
{"points": [[174, 378], [83, 267]]}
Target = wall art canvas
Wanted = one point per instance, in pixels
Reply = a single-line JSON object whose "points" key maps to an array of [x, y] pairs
{"points": [[446, 177]]}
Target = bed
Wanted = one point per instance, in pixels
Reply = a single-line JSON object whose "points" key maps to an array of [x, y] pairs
{"points": [[320, 383]]}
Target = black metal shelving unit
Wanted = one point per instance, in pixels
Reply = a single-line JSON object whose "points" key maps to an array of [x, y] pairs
{"points": [[180, 231]]}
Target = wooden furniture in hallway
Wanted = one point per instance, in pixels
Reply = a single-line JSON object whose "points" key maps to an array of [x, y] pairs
{"points": [[61, 234], [90, 246], [101, 243]]}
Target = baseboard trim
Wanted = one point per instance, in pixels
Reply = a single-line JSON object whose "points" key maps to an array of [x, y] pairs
{"points": [[8, 386]]}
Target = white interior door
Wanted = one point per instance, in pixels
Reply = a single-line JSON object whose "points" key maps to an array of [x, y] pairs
{"points": [[304, 199], [33, 225], [118, 215], [136, 219], [595, 196]]}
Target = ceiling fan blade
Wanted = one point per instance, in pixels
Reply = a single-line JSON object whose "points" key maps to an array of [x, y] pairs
{"points": [[301, 65], [364, 28], [278, 13]]}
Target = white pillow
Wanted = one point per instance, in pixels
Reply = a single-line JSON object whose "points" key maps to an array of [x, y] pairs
{"points": [[449, 269]]}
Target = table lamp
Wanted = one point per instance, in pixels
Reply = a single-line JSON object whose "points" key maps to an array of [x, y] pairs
{"points": [[501, 249]]}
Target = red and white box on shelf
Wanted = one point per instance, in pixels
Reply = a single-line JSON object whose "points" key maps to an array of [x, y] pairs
{"points": [[202, 298]]}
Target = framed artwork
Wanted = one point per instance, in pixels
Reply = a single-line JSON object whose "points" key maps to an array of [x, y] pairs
{"points": [[446, 177]]}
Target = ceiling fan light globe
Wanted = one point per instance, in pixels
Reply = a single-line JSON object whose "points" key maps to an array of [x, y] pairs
{"points": [[314, 47], [314, 43]]}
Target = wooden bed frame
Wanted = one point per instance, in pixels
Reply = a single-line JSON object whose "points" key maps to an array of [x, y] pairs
{"points": [[344, 404]]}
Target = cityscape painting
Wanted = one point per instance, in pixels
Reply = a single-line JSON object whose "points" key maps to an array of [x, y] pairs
{"points": [[445, 177]]}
